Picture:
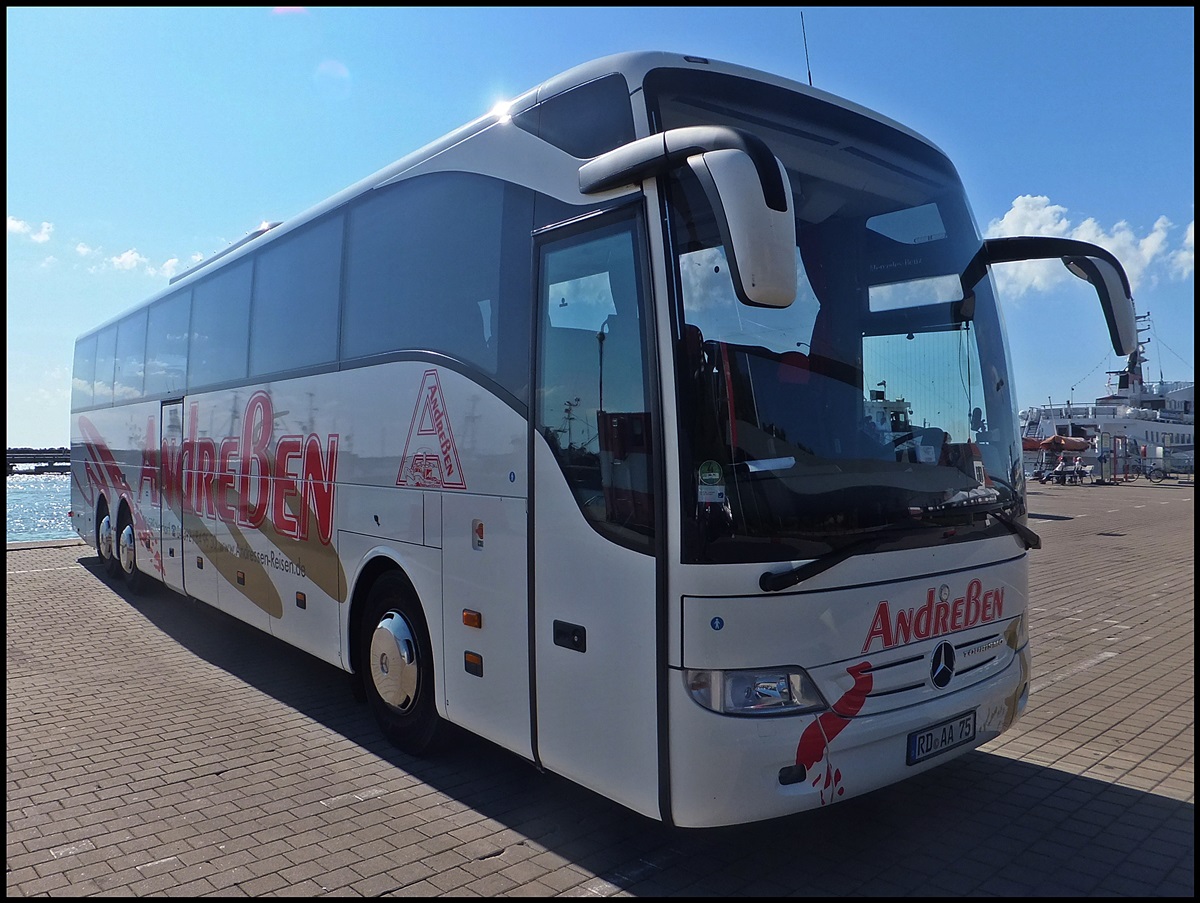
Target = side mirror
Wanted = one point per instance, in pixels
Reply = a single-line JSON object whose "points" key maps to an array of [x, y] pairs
{"points": [[747, 187], [1087, 261], [760, 242]]}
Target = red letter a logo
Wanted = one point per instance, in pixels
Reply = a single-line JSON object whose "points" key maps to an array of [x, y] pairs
{"points": [[430, 456]]}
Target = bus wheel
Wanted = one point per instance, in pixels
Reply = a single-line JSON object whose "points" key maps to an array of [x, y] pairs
{"points": [[104, 543], [125, 552], [397, 661]]}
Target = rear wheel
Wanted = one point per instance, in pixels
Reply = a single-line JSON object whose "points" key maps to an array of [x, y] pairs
{"points": [[1157, 475], [125, 552], [105, 539], [396, 659]]}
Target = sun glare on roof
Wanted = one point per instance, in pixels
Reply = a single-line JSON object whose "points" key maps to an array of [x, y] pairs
{"points": [[500, 110]]}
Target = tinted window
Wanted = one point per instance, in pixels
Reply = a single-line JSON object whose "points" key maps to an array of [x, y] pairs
{"points": [[592, 404], [441, 263], [220, 327], [585, 121], [294, 319], [106, 355], [83, 373], [167, 345], [131, 358]]}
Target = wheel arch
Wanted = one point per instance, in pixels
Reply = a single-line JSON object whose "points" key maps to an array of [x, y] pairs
{"points": [[376, 565], [124, 509], [414, 586], [103, 509]]}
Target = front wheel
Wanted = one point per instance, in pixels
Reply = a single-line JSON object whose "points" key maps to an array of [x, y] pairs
{"points": [[396, 659], [1157, 475]]}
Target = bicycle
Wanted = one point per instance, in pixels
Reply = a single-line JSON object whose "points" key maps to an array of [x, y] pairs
{"points": [[1139, 470], [1155, 473]]}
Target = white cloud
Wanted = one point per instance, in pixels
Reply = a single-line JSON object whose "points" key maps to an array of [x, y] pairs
{"points": [[130, 260], [20, 227], [1035, 215], [169, 268], [1183, 261]]}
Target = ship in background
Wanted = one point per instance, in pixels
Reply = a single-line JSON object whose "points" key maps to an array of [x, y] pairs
{"points": [[1144, 422]]}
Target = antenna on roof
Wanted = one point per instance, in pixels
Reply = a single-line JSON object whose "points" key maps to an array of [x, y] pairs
{"points": [[804, 32]]}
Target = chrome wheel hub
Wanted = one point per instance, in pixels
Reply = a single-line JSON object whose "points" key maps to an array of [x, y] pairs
{"points": [[105, 538], [394, 665], [125, 551]]}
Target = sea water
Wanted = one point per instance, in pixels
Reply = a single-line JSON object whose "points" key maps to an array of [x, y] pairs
{"points": [[37, 507]]}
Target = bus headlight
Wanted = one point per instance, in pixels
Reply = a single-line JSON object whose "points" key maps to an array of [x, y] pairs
{"points": [[764, 691]]}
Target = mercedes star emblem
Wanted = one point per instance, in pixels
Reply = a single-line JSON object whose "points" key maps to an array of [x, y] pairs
{"points": [[942, 667]]}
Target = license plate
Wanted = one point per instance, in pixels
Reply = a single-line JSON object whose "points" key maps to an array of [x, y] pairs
{"points": [[941, 737]]}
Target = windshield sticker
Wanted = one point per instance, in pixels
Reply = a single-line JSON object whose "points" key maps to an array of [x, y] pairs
{"points": [[711, 488]]}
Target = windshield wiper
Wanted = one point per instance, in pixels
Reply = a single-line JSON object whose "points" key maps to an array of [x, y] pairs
{"points": [[771, 582], [986, 501], [981, 500], [1031, 539]]}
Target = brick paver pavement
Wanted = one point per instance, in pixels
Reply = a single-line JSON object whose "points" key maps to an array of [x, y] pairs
{"points": [[154, 746]]}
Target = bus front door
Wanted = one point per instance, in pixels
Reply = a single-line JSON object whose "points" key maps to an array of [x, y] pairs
{"points": [[592, 534]]}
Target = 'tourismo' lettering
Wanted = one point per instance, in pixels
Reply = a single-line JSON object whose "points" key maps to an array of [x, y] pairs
{"points": [[250, 477], [935, 617]]}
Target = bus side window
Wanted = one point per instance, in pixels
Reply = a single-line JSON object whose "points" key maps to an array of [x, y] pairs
{"points": [[293, 320], [106, 362], [440, 263], [83, 374], [591, 399], [167, 344], [461, 329]]}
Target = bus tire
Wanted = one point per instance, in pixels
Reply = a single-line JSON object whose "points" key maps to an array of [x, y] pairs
{"points": [[397, 663], [125, 553], [105, 542]]}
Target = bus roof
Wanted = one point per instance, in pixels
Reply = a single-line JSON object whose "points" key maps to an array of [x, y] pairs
{"points": [[633, 65]]}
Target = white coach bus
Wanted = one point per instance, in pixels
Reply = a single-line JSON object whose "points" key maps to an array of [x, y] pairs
{"points": [[659, 428]]}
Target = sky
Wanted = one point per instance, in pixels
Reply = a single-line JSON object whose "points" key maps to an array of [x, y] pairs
{"points": [[141, 140]]}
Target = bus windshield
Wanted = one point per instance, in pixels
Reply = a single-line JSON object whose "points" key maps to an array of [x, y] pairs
{"points": [[881, 399]]}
